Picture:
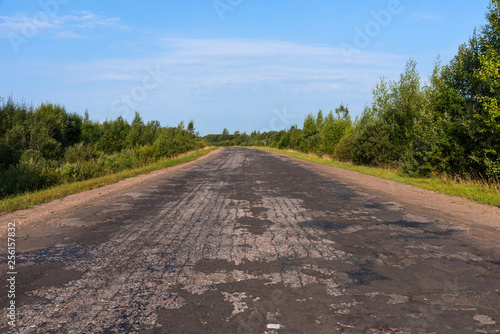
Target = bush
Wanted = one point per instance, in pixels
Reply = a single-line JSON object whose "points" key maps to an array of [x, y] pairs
{"points": [[79, 153], [427, 153], [344, 149], [493, 168], [77, 171], [33, 172], [146, 153], [9, 181], [128, 159], [371, 145]]}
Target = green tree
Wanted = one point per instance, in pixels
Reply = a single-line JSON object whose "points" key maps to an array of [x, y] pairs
{"points": [[406, 104], [91, 131], [135, 135], [309, 128], [489, 119], [371, 144], [225, 135], [334, 128], [190, 128], [151, 132]]}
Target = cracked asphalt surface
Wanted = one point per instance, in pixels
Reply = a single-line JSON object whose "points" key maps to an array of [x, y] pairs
{"points": [[247, 241]]}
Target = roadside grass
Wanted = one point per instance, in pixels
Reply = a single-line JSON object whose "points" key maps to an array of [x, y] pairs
{"points": [[480, 191], [26, 200]]}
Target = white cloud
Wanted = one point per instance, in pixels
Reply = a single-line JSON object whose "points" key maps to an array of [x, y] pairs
{"points": [[253, 72], [427, 16], [87, 19], [19, 22], [68, 35], [67, 26], [192, 66]]}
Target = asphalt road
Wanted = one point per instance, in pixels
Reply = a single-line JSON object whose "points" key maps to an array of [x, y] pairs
{"points": [[251, 242]]}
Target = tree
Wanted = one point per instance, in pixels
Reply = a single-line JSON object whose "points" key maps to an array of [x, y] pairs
{"points": [[405, 105], [334, 128], [135, 134], [151, 132], [190, 127], [371, 144], [319, 119], [491, 31], [396, 107], [310, 129], [489, 120], [74, 129], [225, 135]]}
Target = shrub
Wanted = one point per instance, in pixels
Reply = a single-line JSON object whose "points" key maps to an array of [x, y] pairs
{"points": [[146, 153], [34, 172], [344, 149], [372, 145], [427, 152], [79, 153], [76, 171]]}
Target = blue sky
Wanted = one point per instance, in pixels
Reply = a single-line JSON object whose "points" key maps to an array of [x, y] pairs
{"points": [[237, 64]]}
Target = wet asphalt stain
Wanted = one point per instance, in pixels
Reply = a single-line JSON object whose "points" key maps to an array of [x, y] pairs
{"points": [[375, 206], [409, 224], [326, 225], [209, 266], [495, 262], [365, 275]]}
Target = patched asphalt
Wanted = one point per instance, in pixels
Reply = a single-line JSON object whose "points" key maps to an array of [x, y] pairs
{"points": [[247, 241]]}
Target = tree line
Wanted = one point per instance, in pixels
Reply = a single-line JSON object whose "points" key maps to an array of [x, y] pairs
{"points": [[447, 125], [46, 145]]}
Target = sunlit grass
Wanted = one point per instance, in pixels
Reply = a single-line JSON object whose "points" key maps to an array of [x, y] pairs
{"points": [[26, 200], [480, 191]]}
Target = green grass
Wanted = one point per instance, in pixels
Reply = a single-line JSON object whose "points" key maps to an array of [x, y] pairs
{"points": [[479, 191], [42, 196]]}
